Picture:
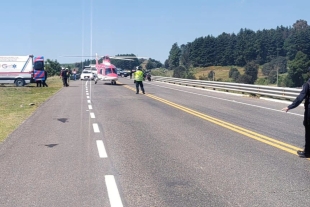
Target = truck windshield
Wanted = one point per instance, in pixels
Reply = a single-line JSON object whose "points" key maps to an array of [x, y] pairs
{"points": [[39, 65]]}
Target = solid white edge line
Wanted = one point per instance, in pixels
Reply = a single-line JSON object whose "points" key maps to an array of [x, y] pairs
{"points": [[101, 149], [96, 128], [90, 107], [92, 115], [115, 199]]}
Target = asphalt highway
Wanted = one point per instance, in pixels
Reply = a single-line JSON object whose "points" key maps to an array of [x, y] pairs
{"points": [[104, 145]]}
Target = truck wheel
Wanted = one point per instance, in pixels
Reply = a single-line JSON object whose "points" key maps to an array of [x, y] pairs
{"points": [[19, 82]]}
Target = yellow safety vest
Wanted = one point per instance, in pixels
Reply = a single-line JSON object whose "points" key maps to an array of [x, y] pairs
{"points": [[139, 75]]}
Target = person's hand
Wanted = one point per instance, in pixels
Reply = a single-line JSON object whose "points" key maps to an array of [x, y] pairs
{"points": [[285, 109]]}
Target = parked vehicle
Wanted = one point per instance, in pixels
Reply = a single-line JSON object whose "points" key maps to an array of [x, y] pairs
{"points": [[21, 70], [92, 68], [87, 75], [119, 71], [77, 77], [125, 73]]}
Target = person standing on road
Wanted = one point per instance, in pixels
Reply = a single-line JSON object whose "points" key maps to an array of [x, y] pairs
{"points": [[139, 80], [303, 95], [68, 75], [63, 75], [130, 75], [74, 74]]}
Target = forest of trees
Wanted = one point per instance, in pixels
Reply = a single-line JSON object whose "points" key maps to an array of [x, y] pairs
{"points": [[278, 51]]}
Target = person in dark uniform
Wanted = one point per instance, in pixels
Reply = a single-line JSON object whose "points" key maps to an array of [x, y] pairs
{"points": [[303, 95], [63, 75], [130, 75], [39, 83], [44, 80]]}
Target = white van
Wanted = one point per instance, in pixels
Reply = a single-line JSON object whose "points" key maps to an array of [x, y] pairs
{"points": [[17, 70]]}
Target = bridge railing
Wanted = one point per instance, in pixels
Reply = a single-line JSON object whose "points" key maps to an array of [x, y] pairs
{"points": [[257, 90]]}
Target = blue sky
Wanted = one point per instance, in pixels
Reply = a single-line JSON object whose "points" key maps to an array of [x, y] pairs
{"points": [[57, 28]]}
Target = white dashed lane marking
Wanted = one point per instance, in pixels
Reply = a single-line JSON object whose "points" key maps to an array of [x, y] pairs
{"points": [[115, 199], [101, 149], [113, 193], [96, 128]]}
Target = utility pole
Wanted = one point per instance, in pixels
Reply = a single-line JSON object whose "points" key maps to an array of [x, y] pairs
{"points": [[91, 31], [277, 75], [277, 67]]}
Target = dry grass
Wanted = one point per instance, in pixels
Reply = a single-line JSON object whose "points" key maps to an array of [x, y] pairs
{"points": [[162, 72], [221, 72], [18, 103]]}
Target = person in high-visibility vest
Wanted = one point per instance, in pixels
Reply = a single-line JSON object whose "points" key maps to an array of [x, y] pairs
{"points": [[139, 80]]}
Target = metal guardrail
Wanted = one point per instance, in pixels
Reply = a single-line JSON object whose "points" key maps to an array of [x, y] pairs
{"points": [[266, 91]]}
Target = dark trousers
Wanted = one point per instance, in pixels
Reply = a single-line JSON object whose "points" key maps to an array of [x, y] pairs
{"points": [[307, 134], [38, 83], [139, 83], [44, 83], [64, 81]]}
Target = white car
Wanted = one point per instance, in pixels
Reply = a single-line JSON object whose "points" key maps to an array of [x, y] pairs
{"points": [[86, 75]]}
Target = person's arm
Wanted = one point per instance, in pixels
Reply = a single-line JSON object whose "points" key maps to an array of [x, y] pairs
{"points": [[299, 98]]}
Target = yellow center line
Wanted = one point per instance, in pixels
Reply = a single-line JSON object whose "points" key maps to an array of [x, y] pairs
{"points": [[259, 137]]}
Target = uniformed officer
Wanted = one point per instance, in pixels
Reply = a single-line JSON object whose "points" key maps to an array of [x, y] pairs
{"points": [[139, 80], [304, 95], [63, 75], [44, 80]]}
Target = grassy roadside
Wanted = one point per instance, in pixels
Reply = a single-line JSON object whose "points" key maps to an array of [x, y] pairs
{"points": [[221, 72], [18, 103]]}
